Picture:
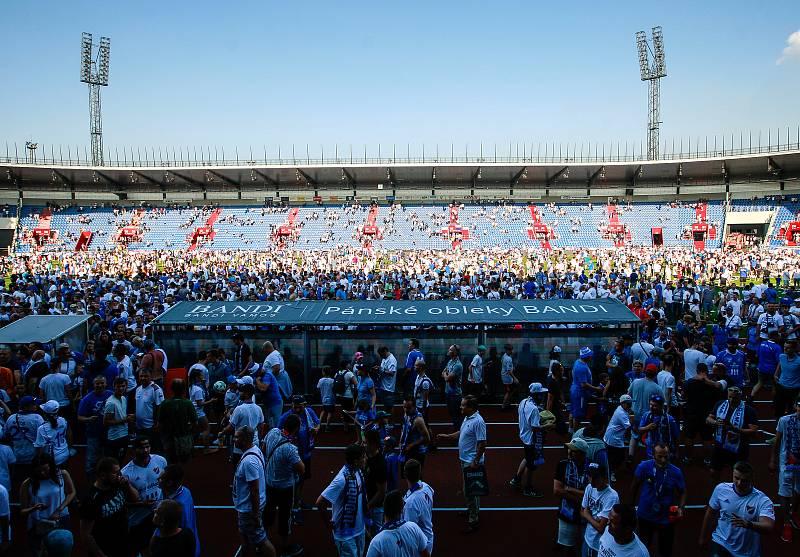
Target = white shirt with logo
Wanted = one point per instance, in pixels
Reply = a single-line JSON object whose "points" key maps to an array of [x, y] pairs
{"points": [[145, 480], [599, 504], [739, 541], [610, 548], [147, 398]]}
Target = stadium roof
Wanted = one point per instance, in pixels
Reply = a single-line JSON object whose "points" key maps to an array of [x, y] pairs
{"points": [[400, 312], [347, 173], [40, 328]]}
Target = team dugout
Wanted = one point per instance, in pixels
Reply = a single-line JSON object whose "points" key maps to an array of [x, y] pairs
{"points": [[312, 334]]}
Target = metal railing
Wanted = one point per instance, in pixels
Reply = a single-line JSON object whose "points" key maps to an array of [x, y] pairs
{"points": [[776, 141]]}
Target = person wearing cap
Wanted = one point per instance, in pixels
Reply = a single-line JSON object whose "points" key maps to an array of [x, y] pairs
{"points": [[531, 433], [475, 375], [555, 357], [640, 391], [618, 428], [659, 426], [662, 487], [785, 459], [53, 436], [247, 413], [581, 388], [569, 483], [598, 500], [787, 379], [735, 422], [21, 429], [304, 439], [743, 514]]}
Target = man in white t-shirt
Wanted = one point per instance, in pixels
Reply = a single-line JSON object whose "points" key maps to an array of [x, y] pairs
{"points": [[387, 378], [691, 357], [248, 413], [418, 501], [475, 375], [56, 386], [142, 473], [618, 427], [742, 512], [619, 539], [149, 397], [398, 538], [598, 500]]}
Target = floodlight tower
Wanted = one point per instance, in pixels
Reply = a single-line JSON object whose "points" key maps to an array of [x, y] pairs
{"points": [[652, 74], [94, 72]]}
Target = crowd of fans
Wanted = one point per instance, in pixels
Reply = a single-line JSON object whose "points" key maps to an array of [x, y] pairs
{"points": [[718, 329]]}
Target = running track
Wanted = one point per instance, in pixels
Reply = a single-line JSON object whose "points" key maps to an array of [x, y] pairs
{"points": [[510, 522]]}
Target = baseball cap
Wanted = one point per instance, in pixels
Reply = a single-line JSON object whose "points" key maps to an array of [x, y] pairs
{"points": [[586, 352], [651, 367], [59, 543], [656, 398], [246, 380], [625, 398], [481, 347], [382, 414], [26, 401], [596, 470], [298, 399], [231, 379], [578, 444], [534, 388], [358, 355], [734, 389], [50, 407], [557, 349]]}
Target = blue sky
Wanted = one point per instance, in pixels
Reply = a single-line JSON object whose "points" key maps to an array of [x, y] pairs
{"points": [[353, 72]]}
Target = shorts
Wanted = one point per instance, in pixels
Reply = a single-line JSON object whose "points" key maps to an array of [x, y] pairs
{"points": [[719, 551], [788, 482], [351, 547], [578, 405], [569, 534], [616, 456], [330, 408], [697, 426], [507, 380], [531, 456], [720, 458], [251, 528]]}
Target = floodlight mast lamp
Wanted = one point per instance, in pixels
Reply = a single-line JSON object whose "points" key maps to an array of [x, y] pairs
{"points": [[94, 72], [652, 74]]}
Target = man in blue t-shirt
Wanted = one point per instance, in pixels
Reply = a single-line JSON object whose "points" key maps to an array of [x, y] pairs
{"points": [[90, 414], [662, 487], [581, 388], [734, 361], [787, 379], [414, 354]]}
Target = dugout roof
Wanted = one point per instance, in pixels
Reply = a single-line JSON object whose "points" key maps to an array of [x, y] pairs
{"points": [[41, 328], [400, 312]]}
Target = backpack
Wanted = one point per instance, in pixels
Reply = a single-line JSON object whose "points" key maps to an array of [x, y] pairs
{"points": [[340, 388]]}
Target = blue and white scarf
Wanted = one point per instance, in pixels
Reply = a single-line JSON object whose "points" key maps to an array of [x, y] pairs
{"points": [[730, 440], [792, 444], [353, 490]]}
